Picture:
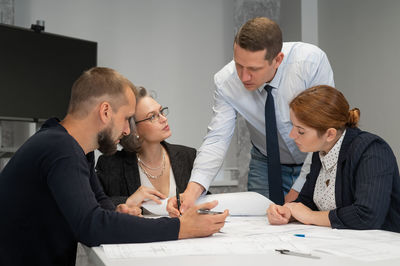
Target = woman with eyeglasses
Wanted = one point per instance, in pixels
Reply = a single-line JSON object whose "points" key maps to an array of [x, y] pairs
{"points": [[147, 168], [354, 179]]}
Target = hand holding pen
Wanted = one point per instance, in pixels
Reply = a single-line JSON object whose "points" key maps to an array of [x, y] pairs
{"points": [[199, 211], [187, 199]]}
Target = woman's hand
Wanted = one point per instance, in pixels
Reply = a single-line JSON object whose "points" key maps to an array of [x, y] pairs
{"points": [[278, 214], [132, 210], [305, 215], [143, 194], [300, 212]]}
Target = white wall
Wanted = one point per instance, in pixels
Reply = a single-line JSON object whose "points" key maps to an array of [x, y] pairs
{"points": [[173, 47], [309, 21], [361, 38]]}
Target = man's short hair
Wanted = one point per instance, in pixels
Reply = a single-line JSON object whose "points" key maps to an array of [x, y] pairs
{"points": [[95, 83], [258, 34]]}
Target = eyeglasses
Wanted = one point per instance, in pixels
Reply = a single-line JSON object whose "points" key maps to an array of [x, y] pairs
{"points": [[154, 117]]}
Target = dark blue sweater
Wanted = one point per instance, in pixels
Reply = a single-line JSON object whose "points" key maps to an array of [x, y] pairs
{"points": [[50, 199]]}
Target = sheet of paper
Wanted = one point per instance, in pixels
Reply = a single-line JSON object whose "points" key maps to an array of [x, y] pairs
{"points": [[366, 245], [253, 235], [157, 209], [238, 203]]}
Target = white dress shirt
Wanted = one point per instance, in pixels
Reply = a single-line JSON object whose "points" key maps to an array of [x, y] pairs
{"points": [[324, 191], [303, 66]]}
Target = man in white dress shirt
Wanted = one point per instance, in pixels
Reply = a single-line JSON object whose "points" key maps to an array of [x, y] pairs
{"points": [[259, 59]]}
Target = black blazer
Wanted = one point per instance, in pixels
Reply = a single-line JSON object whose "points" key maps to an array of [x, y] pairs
{"points": [[367, 189], [119, 173]]}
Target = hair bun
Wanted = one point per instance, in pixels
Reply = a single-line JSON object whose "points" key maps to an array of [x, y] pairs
{"points": [[354, 117]]}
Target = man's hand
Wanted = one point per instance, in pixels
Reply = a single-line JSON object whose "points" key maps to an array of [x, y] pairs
{"points": [[201, 225], [188, 199], [132, 210], [278, 214], [142, 194], [291, 195]]}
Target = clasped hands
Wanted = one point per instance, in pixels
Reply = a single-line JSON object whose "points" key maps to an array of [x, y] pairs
{"points": [[278, 214]]}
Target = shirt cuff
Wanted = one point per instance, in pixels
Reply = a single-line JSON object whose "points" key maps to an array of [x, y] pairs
{"points": [[298, 185], [204, 182]]}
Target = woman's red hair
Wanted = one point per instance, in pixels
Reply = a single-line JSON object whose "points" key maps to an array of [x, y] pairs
{"points": [[323, 107]]}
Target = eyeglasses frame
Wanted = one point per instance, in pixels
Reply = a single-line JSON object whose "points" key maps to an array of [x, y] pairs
{"points": [[149, 118]]}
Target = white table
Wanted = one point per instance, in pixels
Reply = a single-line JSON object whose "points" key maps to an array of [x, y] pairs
{"points": [[242, 236], [98, 257]]}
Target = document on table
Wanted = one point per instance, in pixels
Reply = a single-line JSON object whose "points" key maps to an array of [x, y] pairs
{"points": [[238, 203], [253, 235], [366, 245]]}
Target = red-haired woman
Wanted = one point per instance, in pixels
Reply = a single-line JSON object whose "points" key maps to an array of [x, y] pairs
{"points": [[354, 178]]}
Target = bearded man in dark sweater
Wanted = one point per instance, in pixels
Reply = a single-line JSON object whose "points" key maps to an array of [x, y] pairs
{"points": [[51, 198]]}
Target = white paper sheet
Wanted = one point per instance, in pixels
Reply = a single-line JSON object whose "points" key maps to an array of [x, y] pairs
{"points": [[253, 235], [238, 203], [157, 209]]}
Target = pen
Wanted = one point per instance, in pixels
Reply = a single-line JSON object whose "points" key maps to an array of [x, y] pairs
{"points": [[294, 253], [207, 211], [178, 201], [314, 236]]}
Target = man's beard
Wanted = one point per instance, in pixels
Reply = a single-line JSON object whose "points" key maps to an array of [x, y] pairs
{"points": [[106, 144]]}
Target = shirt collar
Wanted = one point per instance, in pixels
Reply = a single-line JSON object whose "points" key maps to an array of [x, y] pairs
{"points": [[330, 159], [275, 82]]}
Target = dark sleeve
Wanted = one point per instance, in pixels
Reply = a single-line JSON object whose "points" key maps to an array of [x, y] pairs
{"points": [[306, 194], [373, 178], [104, 201], [109, 173], [68, 181], [101, 197]]}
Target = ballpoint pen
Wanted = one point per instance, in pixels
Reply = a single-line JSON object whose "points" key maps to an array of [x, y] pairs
{"points": [[178, 201], [317, 236], [294, 253], [207, 211]]}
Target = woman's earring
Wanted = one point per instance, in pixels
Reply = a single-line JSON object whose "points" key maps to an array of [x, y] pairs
{"points": [[137, 136]]}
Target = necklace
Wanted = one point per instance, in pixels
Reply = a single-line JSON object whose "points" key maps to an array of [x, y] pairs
{"points": [[162, 166], [150, 175], [152, 168]]}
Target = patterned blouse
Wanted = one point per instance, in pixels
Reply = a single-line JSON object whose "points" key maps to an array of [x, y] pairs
{"points": [[324, 192]]}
